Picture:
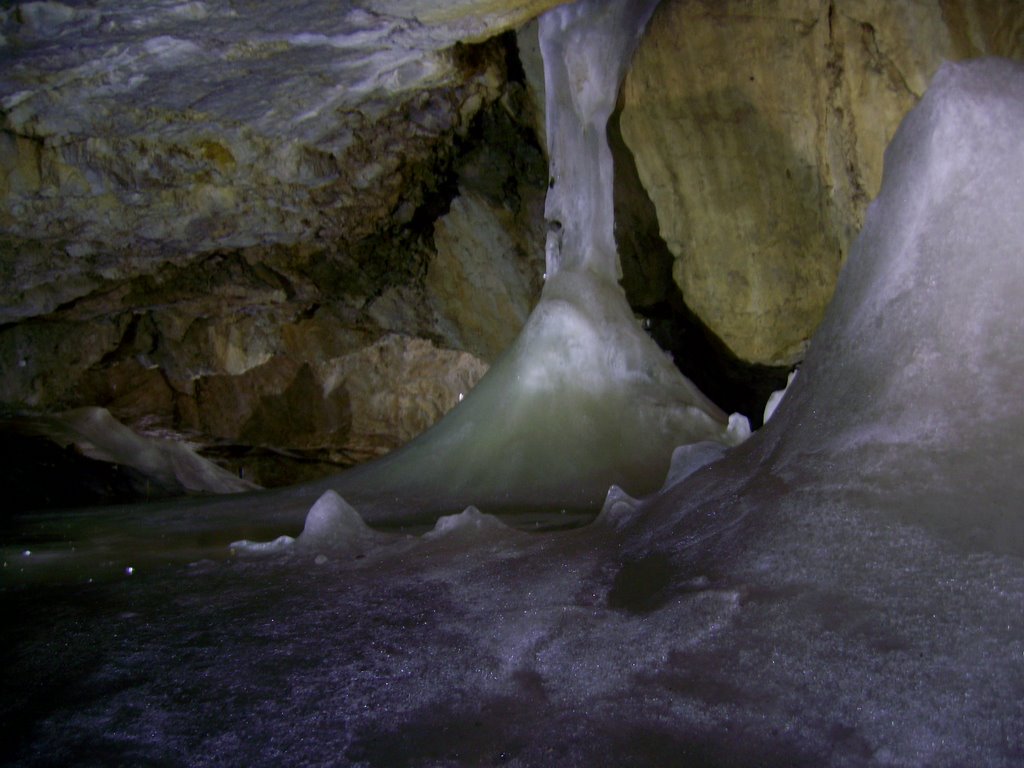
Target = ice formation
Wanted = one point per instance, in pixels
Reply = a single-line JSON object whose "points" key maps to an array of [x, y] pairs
{"points": [[584, 398], [95, 433], [776, 397], [845, 588], [332, 526]]}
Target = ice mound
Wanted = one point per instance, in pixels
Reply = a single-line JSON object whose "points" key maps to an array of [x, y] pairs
{"points": [[619, 507], [582, 400], [468, 526], [907, 408], [912, 384], [923, 334], [775, 398], [332, 527], [687, 459]]}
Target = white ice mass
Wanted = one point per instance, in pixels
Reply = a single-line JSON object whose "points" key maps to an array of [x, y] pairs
{"points": [[844, 588]]}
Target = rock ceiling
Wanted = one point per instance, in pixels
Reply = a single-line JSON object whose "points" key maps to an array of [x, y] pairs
{"points": [[215, 209], [156, 129]]}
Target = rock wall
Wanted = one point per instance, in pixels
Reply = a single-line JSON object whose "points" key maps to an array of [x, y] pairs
{"points": [[758, 130], [250, 232], [289, 361]]}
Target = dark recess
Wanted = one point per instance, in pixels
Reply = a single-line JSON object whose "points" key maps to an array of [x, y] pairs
{"points": [[733, 385]]}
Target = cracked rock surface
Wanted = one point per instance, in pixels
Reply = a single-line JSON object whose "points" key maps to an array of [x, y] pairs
{"points": [[135, 133]]}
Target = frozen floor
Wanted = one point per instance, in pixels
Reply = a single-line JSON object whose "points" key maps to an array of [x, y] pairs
{"points": [[833, 636]]}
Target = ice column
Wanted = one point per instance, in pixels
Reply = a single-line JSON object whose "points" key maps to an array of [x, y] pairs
{"points": [[583, 399], [587, 47]]}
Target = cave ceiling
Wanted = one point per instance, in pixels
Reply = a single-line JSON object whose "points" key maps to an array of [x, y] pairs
{"points": [[217, 210], [146, 131]]}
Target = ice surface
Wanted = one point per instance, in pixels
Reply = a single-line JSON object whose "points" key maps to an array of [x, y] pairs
{"points": [[920, 352], [687, 459], [582, 400], [586, 48], [776, 398], [845, 588]]}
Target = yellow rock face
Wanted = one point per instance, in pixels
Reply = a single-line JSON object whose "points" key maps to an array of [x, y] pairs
{"points": [[758, 131]]}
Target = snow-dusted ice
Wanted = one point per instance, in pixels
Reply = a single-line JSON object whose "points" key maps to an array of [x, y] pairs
{"points": [[844, 588]]}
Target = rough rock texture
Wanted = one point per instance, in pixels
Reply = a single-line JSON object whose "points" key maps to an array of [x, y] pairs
{"points": [[134, 135], [398, 387], [489, 266], [222, 354], [481, 279], [206, 216], [299, 420], [758, 131]]}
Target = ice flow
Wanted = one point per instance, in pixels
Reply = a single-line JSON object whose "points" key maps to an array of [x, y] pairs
{"points": [[584, 398]]}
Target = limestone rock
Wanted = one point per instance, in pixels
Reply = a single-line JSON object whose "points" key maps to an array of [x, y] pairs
{"points": [[135, 134], [204, 212], [758, 132], [397, 388], [481, 280], [488, 270], [42, 361], [229, 349]]}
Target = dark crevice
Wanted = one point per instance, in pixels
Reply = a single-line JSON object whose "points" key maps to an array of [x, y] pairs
{"points": [[494, 157], [137, 338], [32, 462], [308, 312], [514, 70], [732, 384]]}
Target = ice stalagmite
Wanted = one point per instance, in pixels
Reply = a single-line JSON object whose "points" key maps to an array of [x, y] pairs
{"points": [[583, 399]]}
